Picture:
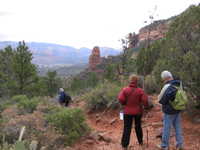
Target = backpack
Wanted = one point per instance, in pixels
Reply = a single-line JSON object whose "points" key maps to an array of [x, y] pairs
{"points": [[181, 100], [67, 99]]}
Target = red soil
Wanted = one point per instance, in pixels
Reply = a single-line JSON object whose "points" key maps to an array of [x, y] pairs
{"points": [[152, 126]]}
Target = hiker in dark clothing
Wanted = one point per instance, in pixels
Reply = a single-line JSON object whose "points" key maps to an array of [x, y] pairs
{"points": [[171, 116], [64, 98], [132, 98]]}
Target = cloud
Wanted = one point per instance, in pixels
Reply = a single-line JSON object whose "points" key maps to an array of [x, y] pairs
{"points": [[81, 23], [3, 13]]}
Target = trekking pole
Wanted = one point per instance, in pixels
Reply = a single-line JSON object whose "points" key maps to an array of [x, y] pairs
{"points": [[147, 137], [147, 131]]}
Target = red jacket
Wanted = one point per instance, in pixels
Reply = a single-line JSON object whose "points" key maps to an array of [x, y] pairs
{"points": [[133, 99]]}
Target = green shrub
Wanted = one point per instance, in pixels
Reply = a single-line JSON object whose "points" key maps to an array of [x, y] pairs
{"points": [[18, 98], [4, 105], [27, 105], [8, 102], [103, 96], [70, 122], [23, 102]]}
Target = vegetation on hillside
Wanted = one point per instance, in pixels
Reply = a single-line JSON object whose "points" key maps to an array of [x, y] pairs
{"points": [[18, 75], [69, 122], [178, 52], [46, 122], [103, 96], [20, 104], [62, 71]]}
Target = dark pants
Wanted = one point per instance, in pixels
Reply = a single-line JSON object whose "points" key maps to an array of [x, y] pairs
{"points": [[128, 120]]}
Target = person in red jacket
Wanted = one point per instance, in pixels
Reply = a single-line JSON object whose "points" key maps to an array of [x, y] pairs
{"points": [[133, 99]]}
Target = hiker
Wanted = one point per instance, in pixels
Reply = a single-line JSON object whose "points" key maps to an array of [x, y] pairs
{"points": [[64, 98], [170, 115], [132, 98]]}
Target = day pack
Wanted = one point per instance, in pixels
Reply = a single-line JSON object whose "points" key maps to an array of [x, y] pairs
{"points": [[67, 98], [180, 100]]}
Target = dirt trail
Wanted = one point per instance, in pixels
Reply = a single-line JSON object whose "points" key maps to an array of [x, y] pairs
{"points": [[109, 127]]}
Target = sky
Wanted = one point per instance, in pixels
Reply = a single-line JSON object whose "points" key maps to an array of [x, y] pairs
{"points": [[81, 23]]}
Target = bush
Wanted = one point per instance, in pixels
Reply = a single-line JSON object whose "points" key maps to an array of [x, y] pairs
{"points": [[9, 102], [103, 96], [4, 105], [70, 122], [18, 98], [22, 101], [28, 105]]}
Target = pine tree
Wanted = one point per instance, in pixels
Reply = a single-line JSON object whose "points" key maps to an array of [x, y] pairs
{"points": [[6, 71], [24, 71]]}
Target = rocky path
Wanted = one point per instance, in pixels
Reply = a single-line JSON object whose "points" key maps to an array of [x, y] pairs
{"points": [[107, 130]]}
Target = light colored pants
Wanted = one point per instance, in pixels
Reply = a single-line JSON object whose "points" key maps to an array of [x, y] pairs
{"points": [[168, 121]]}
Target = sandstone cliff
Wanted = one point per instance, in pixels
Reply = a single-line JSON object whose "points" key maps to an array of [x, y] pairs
{"points": [[155, 31]]}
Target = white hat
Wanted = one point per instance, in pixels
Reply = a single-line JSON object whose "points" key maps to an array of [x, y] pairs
{"points": [[166, 74], [61, 90]]}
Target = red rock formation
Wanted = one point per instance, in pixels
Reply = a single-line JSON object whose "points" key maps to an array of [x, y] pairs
{"points": [[153, 32], [94, 58]]}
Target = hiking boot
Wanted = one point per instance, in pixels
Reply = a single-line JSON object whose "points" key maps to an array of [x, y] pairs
{"points": [[159, 136], [162, 148]]}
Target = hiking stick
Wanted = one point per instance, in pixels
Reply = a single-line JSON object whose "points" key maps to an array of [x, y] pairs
{"points": [[147, 131], [147, 137]]}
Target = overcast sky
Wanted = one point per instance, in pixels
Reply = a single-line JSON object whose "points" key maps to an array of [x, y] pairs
{"points": [[81, 23]]}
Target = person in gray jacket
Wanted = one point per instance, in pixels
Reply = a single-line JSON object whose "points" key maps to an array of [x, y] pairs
{"points": [[170, 115]]}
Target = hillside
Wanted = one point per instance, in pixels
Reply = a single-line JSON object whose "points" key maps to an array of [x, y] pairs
{"points": [[62, 70], [54, 54]]}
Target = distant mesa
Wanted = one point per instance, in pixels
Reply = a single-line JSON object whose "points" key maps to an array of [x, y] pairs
{"points": [[49, 54], [94, 59]]}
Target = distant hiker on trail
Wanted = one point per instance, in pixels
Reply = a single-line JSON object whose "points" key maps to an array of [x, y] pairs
{"points": [[132, 98], [171, 116], [64, 98]]}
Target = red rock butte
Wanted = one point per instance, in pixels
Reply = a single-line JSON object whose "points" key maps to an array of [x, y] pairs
{"points": [[95, 58]]}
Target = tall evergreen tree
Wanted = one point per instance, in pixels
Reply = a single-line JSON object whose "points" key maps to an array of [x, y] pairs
{"points": [[6, 71], [24, 71]]}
